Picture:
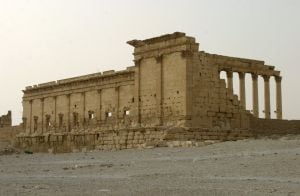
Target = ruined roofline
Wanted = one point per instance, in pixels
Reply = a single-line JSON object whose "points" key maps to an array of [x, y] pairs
{"points": [[79, 79], [246, 60], [165, 44], [138, 43], [237, 64]]}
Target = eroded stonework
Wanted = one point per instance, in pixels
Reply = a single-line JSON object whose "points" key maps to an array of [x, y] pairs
{"points": [[5, 120], [171, 85]]}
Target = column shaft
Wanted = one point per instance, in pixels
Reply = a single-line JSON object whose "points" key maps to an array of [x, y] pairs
{"points": [[69, 112], [242, 89], [229, 80], [55, 111], [137, 96], [100, 105], [30, 125], [117, 101], [255, 95], [278, 97], [83, 107], [267, 97], [159, 89], [42, 102]]}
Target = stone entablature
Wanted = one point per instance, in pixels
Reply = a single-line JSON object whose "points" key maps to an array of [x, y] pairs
{"points": [[70, 84]]}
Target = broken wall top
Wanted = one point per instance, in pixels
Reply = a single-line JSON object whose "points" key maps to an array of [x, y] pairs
{"points": [[164, 44]]}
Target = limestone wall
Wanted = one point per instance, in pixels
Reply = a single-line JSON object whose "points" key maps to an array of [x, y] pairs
{"points": [[8, 134], [79, 102], [263, 127], [161, 79], [127, 138], [214, 106]]}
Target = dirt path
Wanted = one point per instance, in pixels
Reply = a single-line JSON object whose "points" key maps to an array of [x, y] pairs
{"points": [[249, 167]]}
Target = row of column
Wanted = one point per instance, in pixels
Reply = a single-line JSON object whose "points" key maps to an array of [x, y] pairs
{"points": [[255, 93], [69, 108]]}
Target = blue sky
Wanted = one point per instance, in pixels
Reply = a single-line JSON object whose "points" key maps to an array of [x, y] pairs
{"points": [[47, 40]]}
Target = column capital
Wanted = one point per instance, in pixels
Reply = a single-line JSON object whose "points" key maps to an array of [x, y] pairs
{"points": [[241, 75], [254, 76], [266, 78], [159, 58], [42, 99], [278, 78], [99, 91], [229, 73]]}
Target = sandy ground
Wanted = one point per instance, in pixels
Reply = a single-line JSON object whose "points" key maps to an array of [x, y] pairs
{"points": [[248, 167]]}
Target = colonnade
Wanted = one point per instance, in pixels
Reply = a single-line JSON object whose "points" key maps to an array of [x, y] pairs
{"points": [[255, 104]]}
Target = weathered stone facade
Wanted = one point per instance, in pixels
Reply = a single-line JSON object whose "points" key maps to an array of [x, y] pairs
{"points": [[171, 85], [5, 120]]}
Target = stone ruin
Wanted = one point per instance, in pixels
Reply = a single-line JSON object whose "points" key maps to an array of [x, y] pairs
{"points": [[5, 120], [173, 95]]}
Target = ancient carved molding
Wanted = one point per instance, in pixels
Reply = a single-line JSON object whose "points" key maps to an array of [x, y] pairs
{"points": [[254, 76]]}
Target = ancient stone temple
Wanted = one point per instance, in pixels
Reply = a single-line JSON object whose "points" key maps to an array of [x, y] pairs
{"points": [[172, 85]]}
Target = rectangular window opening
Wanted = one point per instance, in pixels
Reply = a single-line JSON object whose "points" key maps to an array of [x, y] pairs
{"points": [[127, 112], [108, 114]]}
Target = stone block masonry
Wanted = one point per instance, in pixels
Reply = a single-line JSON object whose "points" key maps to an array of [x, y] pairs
{"points": [[126, 139], [5, 120], [171, 86]]}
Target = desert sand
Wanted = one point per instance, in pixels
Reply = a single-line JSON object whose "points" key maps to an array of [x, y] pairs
{"points": [[248, 167]]}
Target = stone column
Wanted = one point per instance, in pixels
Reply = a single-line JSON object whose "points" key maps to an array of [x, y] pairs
{"points": [[30, 121], [117, 101], [278, 97], [55, 111], [83, 108], [69, 112], [267, 96], [255, 95], [42, 102], [137, 94], [242, 89], [230, 80], [100, 105], [159, 88]]}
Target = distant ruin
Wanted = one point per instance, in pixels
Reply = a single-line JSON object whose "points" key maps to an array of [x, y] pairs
{"points": [[5, 120], [172, 93]]}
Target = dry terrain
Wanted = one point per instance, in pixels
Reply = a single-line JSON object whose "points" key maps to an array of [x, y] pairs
{"points": [[248, 167]]}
